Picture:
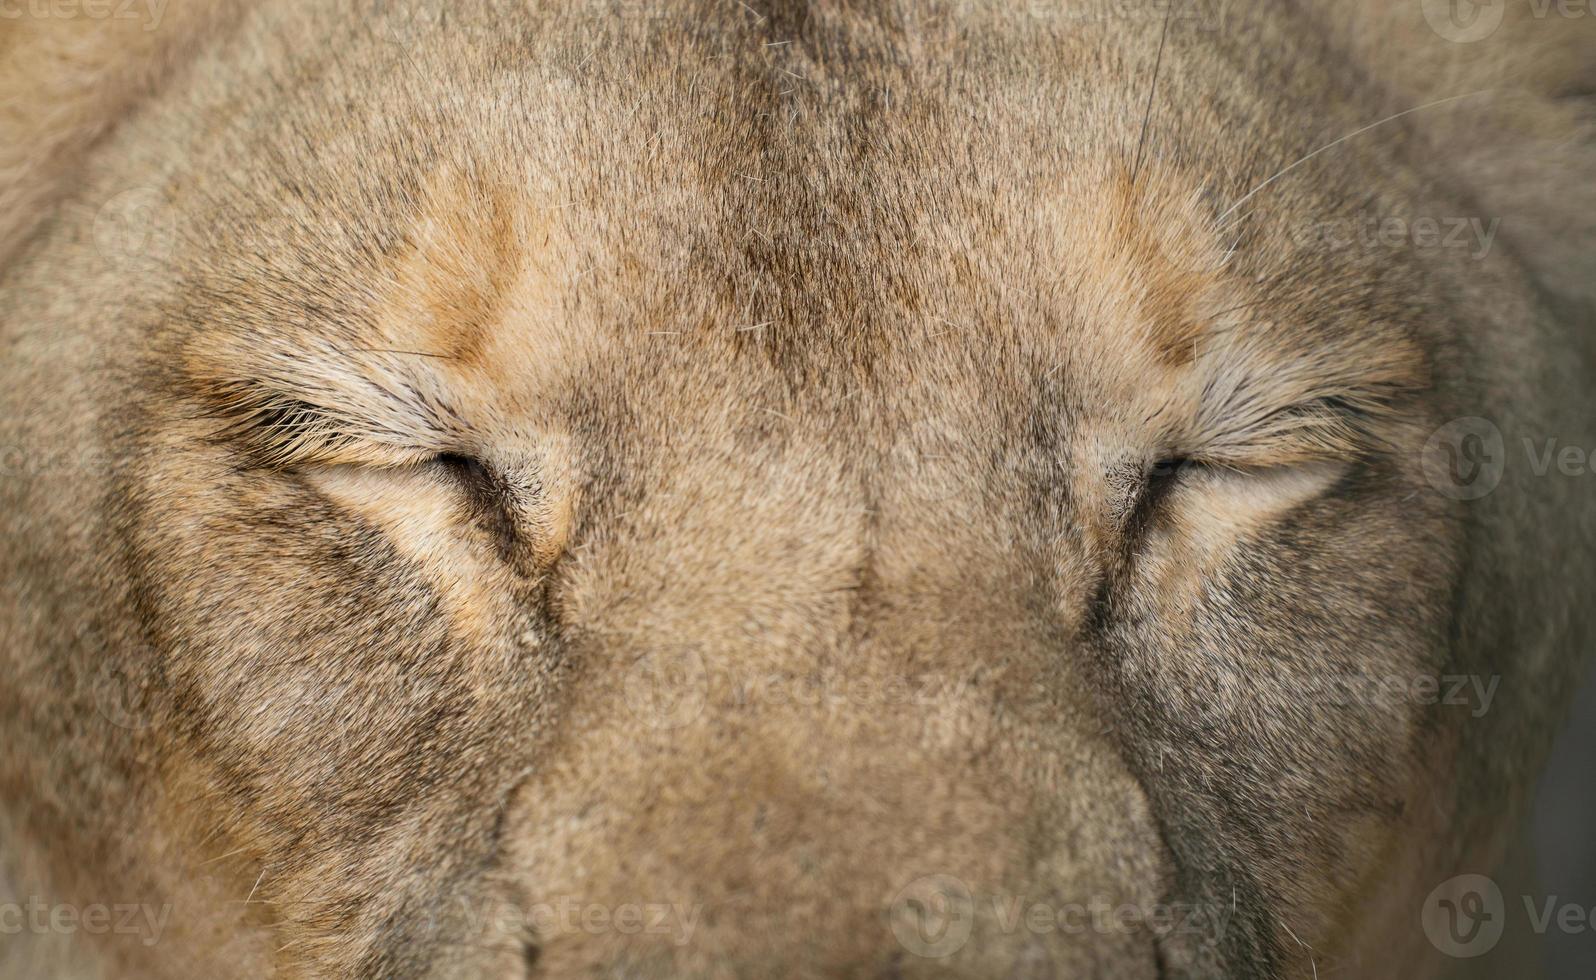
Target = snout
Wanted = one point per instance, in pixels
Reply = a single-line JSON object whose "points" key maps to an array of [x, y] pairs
{"points": [[833, 828]]}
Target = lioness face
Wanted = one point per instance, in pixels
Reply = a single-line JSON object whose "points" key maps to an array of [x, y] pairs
{"points": [[703, 491]]}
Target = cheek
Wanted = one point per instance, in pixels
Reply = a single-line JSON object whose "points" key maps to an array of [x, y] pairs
{"points": [[1278, 663], [1211, 518], [1264, 604], [301, 651], [424, 519]]}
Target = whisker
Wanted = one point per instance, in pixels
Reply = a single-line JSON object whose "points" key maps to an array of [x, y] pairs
{"points": [[1330, 146], [412, 353], [1147, 116]]}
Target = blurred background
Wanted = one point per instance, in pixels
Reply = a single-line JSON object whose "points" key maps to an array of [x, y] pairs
{"points": [[1563, 833]]}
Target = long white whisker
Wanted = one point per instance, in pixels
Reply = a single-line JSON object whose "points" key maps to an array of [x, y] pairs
{"points": [[1330, 146]]}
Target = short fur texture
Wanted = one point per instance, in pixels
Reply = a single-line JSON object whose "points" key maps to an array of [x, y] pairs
{"points": [[745, 459]]}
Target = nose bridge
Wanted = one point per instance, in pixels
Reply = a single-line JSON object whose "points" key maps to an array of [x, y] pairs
{"points": [[789, 710], [783, 521], [737, 537], [826, 571], [799, 827], [787, 812], [813, 569]]}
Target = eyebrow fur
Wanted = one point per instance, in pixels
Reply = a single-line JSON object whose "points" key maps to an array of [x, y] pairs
{"points": [[322, 407], [1257, 408]]}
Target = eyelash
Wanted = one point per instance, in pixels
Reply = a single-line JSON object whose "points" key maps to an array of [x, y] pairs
{"points": [[470, 471], [1157, 483], [490, 498]]}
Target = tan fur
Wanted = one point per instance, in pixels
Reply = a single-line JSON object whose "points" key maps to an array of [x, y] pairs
{"points": [[68, 80], [753, 460]]}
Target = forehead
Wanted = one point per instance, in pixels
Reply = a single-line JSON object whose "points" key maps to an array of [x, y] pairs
{"points": [[755, 207], [964, 207]]}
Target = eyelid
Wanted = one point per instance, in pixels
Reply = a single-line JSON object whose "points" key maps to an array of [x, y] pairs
{"points": [[277, 421], [1305, 476], [1158, 479], [1268, 489], [468, 466], [1170, 465], [1330, 429]]}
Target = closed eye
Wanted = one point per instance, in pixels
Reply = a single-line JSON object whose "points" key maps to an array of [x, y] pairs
{"points": [[467, 469], [494, 501], [1162, 475], [1207, 497], [1159, 480], [374, 431]]}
